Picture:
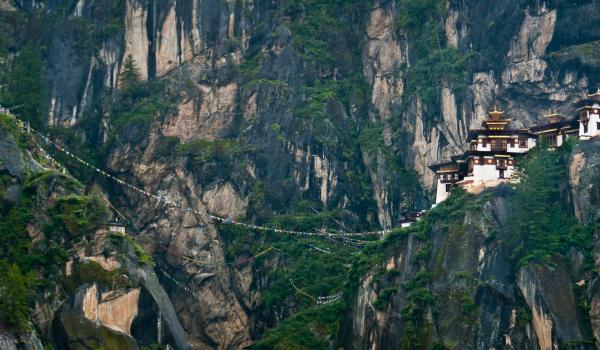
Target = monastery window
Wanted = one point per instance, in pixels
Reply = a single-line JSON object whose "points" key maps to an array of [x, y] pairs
{"points": [[597, 126], [448, 187], [498, 145], [585, 127], [522, 142], [551, 139]]}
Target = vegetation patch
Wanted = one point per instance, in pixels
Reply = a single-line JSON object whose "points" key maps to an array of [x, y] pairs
{"points": [[136, 105], [17, 291], [311, 328], [78, 215], [585, 54], [542, 224], [28, 267], [143, 257], [383, 298], [433, 63], [91, 272], [9, 125]]}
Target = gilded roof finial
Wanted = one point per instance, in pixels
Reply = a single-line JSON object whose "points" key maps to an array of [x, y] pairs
{"points": [[553, 114], [495, 112]]}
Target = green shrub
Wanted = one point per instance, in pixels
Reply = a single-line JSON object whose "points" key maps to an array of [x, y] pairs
{"points": [[467, 306], [383, 298], [79, 215]]}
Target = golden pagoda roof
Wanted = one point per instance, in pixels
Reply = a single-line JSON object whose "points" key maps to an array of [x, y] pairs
{"points": [[495, 113]]}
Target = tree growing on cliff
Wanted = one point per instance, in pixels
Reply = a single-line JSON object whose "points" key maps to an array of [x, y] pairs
{"points": [[542, 222], [16, 290], [129, 81]]}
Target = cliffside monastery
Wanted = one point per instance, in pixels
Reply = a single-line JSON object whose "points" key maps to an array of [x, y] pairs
{"points": [[490, 158]]}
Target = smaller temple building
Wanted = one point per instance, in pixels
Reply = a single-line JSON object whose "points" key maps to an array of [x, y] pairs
{"points": [[116, 226], [493, 149], [556, 130], [589, 116]]}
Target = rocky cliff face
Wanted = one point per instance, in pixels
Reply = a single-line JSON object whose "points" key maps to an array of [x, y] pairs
{"points": [[268, 104], [95, 283], [526, 67], [459, 288], [452, 279]]}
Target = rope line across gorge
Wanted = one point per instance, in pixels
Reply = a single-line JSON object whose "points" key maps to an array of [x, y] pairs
{"points": [[171, 203]]}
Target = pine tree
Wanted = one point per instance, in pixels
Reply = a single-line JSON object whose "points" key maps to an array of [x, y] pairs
{"points": [[16, 291], [541, 223], [129, 82]]}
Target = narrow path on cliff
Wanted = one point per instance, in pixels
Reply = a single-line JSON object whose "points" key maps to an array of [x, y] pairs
{"points": [[329, 233], [345, 238]]}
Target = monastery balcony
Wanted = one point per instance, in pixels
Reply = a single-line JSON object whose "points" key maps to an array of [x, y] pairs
{"points": [[449, 180], [501, 166], [517, 149]]}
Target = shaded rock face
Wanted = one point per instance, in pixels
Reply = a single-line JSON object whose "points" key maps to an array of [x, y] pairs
{"points": [[553, 309], [584, 185], [584, 180], [11, 156], [482, 300]]}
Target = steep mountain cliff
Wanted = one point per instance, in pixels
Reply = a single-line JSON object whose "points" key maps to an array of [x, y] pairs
{"points": [[304, 114]]}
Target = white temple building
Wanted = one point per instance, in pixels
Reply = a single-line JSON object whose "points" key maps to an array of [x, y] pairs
{"points": [[589, 116], [491, 156]]}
